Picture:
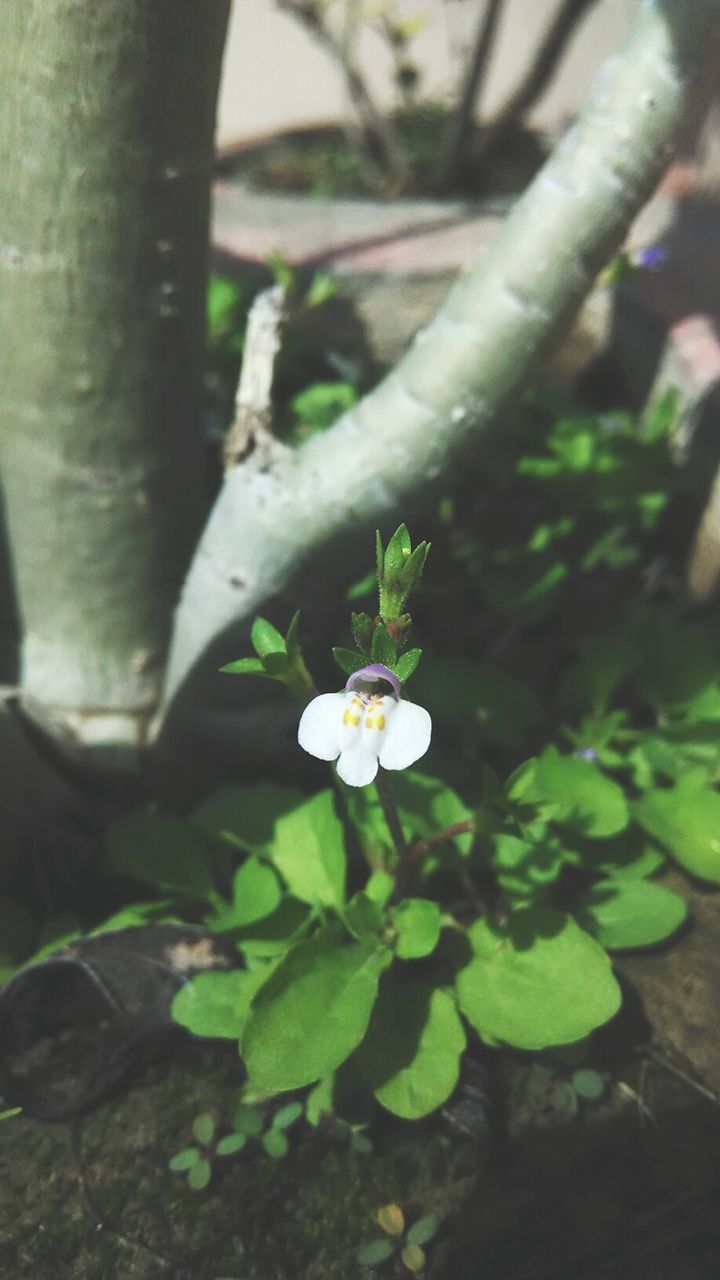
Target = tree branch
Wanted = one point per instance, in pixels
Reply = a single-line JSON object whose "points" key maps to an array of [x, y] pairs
{"points": [[287, 529], [252, 423], [455, 147], [538, 77]]}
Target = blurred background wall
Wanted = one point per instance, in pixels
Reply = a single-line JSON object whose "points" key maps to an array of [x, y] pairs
{"points": [[275, 76]]}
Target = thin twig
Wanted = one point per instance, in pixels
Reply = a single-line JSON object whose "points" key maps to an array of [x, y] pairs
{"points": [[385, 162], [661, 1060], [539, 75], [252, 423], [421, 847], [455, 146]]}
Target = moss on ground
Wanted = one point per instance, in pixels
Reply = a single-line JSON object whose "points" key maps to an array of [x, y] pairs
{"points": [[96, 1200]]}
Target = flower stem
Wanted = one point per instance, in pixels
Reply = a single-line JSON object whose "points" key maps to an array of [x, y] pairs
{"points": [[392, 818]]}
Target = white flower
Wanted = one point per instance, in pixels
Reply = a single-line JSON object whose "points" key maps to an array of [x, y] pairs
{"points": [[366, 725]]}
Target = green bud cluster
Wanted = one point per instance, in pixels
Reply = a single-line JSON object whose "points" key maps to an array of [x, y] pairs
{"points": [[386, 637]]}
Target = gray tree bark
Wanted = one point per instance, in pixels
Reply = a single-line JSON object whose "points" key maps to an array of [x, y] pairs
{"points": [[106, 129], [282, 527]]}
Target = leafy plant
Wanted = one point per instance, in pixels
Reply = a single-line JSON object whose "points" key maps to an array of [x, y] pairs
{"points": [[399, 1242], [248, 1125], [506, 860]]}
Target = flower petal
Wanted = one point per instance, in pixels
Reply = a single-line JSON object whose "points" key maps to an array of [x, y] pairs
{"points": [[374, 674], [321, 726], [408, 736], [357, 765]]}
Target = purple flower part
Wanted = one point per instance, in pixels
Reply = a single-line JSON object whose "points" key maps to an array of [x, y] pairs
{"points": [[372, 674], [651, 258], [586, 753]]}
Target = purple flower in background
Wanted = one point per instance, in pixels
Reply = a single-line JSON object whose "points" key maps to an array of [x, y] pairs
{"points": [[649, 258]]}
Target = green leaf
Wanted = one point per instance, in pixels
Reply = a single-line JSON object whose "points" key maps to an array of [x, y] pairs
{"points": [[379, 886], [184, 1160], [398, 551], [282, 271], [588, 1084], [383, 648], [604, 661], [628, 856], [661, 415], [348, 660], [407, 664], [204, 1128], [277, 665], [312, 1012], [413, 569], [680, 661], [585, 799], [364, 918], [413, 1257], [246, 816], [266, 638], [230, 1144], [685, 819], [417, 922], [256, 894], [137, 913], [199, 1175], [424, 1229], [537, 981], [362, 629], [379, 559], [224, 303], [319, 1101], [308, 849], [162, 851], [629, 913], [245, 667], [371, 1255], [287, 1115], [400, 573], [275, 1144], [218, 1004], [524, 868], [292, 641], [322, 403], [248, 1120], [361, 589], [274, 934], [410, 1056], [365, 813], [322, 288], [391, 1218]]}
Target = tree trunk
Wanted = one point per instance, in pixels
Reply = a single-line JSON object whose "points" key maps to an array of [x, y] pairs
{"points": [[106, 130]]}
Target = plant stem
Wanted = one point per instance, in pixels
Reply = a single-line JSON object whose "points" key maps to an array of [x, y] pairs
{"points": [[392, 818], [420, 848]]}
